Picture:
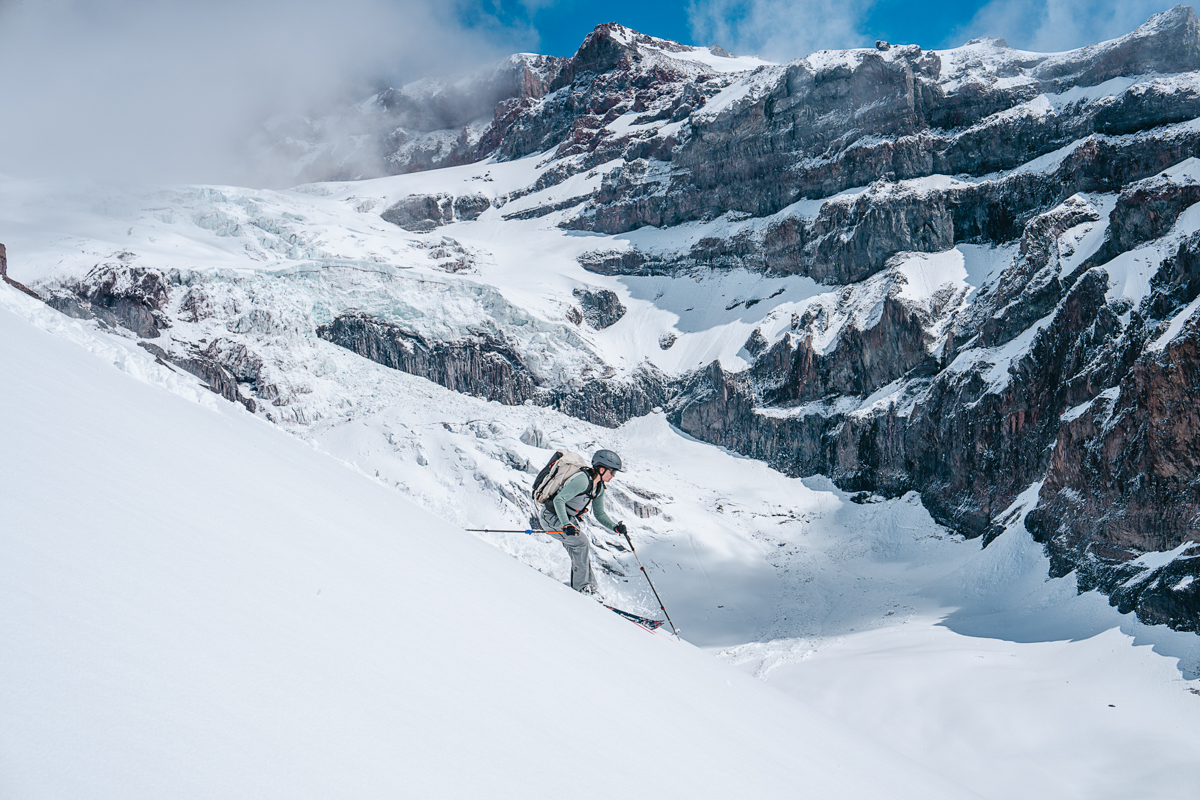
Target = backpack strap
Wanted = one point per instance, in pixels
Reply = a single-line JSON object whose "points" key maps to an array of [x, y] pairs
{"points": [[591, 495]]}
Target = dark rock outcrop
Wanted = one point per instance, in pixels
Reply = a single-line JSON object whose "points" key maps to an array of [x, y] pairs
{"points": [[15, 284], [486, 365], [892, 115], [1176, 283], [118, 294], [611, 403], [1107, 424], [1124, 474], [601, 308], [852, 239], [792, 371], [882, 118], [205, 366], [968, 445], [1034, 285], [1145, 211], [421, 213], [973, 448], [482, 364], [548, 208], [470, 206]]}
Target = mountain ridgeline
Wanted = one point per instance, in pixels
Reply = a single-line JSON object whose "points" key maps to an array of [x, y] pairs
{"points": [[1061, 388]]}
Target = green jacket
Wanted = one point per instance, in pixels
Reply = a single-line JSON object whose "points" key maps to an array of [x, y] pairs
{"points": [[572, 497]]}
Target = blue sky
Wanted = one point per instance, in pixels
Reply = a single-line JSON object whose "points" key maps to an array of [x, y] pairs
{"points": [[562, 25], [783, 29]]}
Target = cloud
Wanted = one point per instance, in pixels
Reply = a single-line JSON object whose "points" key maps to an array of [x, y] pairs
{"points": [[780, 30], [170, 90], [1048, 26]]}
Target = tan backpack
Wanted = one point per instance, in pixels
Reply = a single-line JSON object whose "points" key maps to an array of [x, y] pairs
{"points": [[562, 467]]}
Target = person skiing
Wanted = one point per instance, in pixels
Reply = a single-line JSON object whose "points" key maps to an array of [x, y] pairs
{"points": [[564, 511]]}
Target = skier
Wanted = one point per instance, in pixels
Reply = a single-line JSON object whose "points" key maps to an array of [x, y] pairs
{"points": [[564, 511]]}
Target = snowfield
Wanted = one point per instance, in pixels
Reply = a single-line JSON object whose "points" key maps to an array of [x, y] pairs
{"points": [[196, 604], [199, 604]]}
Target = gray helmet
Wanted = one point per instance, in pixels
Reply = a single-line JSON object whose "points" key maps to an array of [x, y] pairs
{"points": [[607, 458]]}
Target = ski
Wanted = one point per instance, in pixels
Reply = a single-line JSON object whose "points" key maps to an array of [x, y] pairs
{"points": [[645, 622]]}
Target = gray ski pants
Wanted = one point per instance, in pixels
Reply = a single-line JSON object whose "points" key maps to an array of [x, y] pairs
{"points": [[579, 548]]}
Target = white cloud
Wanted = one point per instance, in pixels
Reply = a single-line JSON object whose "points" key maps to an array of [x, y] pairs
{"points": [[1048, 26], [169, 90], [780, 30]]}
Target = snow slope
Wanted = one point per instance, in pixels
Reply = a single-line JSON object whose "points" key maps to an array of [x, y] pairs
{"points": [[871, 613], [970, 661], [195, 604], [220, 606]]}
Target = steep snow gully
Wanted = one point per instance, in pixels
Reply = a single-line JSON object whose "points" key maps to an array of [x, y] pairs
{"points": [[846, 319]]}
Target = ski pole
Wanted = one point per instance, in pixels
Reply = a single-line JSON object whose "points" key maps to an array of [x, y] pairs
{"points": [[505, 530], [656, 597]]}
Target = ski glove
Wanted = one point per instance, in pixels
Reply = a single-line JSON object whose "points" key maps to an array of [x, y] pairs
{"points": [[621, 529], [570, 530]]}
